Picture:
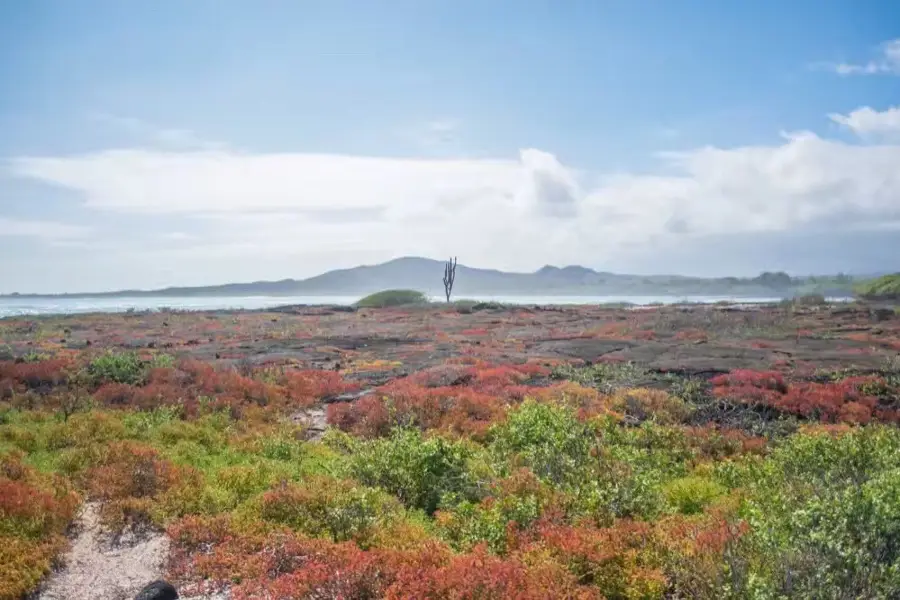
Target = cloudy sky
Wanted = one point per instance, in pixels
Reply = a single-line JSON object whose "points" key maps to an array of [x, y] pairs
{"points": [[177, 142]]}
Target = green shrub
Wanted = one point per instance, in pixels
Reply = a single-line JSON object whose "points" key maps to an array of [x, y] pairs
{"points": [[85, 429], [823, 512], [690, 495], [809, 300], [174, 432], [117, 367], [144, 423], [389, 298], [341, 510], [418, 470], [515, 502], [882, 288], [852, 540], [467, 307], [243, 481], [548, 438]]}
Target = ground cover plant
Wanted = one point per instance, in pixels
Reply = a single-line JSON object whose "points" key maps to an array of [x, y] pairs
{"points": [[463, 452], [388, 298], [886, 287]]}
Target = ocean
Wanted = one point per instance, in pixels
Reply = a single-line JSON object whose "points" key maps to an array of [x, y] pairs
{"points": [[13, 306]]}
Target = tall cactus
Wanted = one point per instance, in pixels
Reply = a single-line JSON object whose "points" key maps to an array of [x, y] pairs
{"points": [[449, 277]]}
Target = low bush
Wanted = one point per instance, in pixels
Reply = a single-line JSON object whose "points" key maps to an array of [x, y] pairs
{"points": [[621, 560], [25, 562], [647, 404], [133, 482], [547, 438], [340, 510], [418, 470], [511, 506], [882, 288], [390, 298], [480, 575], [690, 495], [809, 300], [118, 367], [35, 510]]}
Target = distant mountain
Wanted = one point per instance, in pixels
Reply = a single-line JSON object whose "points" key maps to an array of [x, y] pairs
{"points": [[425, 274]]}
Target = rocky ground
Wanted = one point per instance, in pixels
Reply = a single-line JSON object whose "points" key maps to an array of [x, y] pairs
{"points": [[380, 345]]}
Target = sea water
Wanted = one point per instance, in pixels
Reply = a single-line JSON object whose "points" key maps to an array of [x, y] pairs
{"points": [[12, 306]]}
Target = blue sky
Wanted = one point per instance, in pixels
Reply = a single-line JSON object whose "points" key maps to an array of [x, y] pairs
{"points": [[193, 142]]}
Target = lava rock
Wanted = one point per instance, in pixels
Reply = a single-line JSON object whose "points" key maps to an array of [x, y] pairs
{"points": [[158, 590]]}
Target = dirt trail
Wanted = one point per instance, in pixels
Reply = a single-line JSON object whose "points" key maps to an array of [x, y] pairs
{"points": [[95, 568]]}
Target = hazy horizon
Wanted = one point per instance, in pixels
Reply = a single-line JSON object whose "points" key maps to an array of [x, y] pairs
{"points": [[435, 284], [171, 144]]}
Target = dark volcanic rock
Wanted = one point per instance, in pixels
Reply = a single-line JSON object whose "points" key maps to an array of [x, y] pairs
{"points": [[158, 590]]}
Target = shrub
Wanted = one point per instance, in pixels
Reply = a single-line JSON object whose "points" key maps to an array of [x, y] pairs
{"points": [[882, 288], [322, 506], [813, 299], [115, 394], [853, 538], [418, 470], [620, 560], [44, 373], [390, 298], [243, 481], [117, 367], [253, 563], [548, 438], [710, 556], [647, 404], [25, 562], [28, 511], [605, 376], [512, 505], [308, 386], [690, 495], [129, 480], [819, 514], [444, 375], [479, 575], [35, 510], [846, 400], [403, 403]]}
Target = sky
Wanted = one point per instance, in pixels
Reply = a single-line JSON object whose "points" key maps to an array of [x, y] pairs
{"points": [[194, 142]]}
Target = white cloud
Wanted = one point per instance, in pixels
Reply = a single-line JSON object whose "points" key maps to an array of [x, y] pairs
{"points": [[506, 213], [888, 62], [149, 181], [865, 121], [45, 230]]}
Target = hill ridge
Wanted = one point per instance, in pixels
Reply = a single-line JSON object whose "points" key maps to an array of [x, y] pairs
{"points": [[424, 274]]}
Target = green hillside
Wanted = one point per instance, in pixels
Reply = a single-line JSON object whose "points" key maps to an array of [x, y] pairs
{"points": [[883, 288]]}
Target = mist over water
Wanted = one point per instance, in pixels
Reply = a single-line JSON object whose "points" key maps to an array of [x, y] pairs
{"points": [[47, 306]]}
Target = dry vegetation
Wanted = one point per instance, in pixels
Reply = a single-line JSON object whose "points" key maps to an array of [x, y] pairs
{"points": [[472, 451]]}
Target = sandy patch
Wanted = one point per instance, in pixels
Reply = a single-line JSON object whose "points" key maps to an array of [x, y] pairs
{"points": [[99, 568], [96, 568]]}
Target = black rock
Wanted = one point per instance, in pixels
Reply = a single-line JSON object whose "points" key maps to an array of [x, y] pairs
{"points": [[882, 314], [158, 590]]}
